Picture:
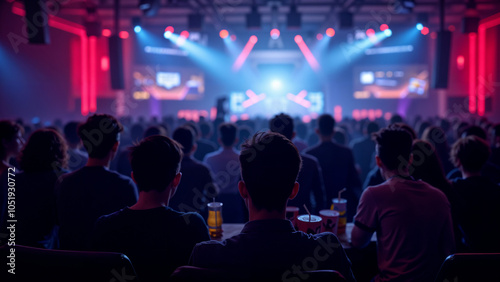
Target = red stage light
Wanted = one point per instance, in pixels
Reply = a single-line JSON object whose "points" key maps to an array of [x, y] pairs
{"points": [[425, 30], [460, 62], [169, 28], [383, 27], [106, 32], [223, 33], [370, 32], [123, 34], [451, 28], [233, 37], [275, 33], [185, 34], [104, 63], [319, 36], [330, 32], [298, 39]]}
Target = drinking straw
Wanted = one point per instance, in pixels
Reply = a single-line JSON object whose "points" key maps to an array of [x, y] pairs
{"points": [[340, 192], [307, 212]]}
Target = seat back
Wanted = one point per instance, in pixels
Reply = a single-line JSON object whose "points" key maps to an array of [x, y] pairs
{"points": [[195, 274], [470, 267], [34, 264]]}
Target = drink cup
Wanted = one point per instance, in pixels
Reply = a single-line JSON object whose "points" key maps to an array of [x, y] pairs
{"points": [[291, 214], [309, 224], [330, 220], [215, 219], [341, 208]]}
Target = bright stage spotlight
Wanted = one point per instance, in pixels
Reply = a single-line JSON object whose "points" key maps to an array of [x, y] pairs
{"points": [[136, 23], [298, 39], [106, 32], [123, 34], [330, 32], [275, 33], [384, 27], [420, 26], [388, 32], [276, 84], [370, 32], [184, 34], [169, 29], [137, 29], [167, 34], [223, 33]]}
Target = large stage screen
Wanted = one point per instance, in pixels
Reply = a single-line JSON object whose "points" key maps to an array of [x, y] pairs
{"points": [[391, 82]]}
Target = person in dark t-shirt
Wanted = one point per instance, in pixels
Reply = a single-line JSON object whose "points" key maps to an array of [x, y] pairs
{"points": [[156, 238], [94, 190]]}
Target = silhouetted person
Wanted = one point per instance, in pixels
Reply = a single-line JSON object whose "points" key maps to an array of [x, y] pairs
{"points": [[203, 146], [155, 237], [310, 176], [92, 191], [363, 149], [226, 171], [268, 243], [411, 218], [77, 157], [475, 197], [198, 186], [42, 160], [437, 137], [337, 165]]}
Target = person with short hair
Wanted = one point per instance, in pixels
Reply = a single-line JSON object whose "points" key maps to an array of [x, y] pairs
{"points": [[337, 164], [474, 199], [226, 170], [310, 176], [363, 149], [155, 237], [268, 244], [198, 187], [92, 191], [411, 218]]}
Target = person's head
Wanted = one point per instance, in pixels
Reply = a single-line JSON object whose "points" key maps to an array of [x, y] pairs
{"points": [[393, 149], [100, 135], [474, 130], [227, 134], [470, 153], [340, 136], [326, 124], [154, 130], [71, 133], [11, 140], [282, 124], [205, 129], [396, 118], [136, 132], [405, 127], [195, 128], [269, 164], [155, 163], [371, 128], [186, 137], [426, 164], [45, 150]]}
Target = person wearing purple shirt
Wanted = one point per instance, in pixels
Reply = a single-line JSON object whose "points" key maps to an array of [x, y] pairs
{"points": [[411, 218]]}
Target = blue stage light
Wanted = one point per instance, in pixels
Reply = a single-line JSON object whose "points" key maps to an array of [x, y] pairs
{"points": [[388, 32], [420, 26], [137, 29]]}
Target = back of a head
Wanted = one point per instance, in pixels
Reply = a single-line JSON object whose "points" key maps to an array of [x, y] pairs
{"points": [[205, 129], [71, 132], [8, 131], [270, 164], [195, 128], [470, 152], [393, 147], [372, 127], [326, 123], [44, 151], [426, 163], [405, 127], [396, 118], [99, 133], [474, 130], [185, 136], [227, 134], [154, 130], [155, 161], [282, 124], [436, 136]]}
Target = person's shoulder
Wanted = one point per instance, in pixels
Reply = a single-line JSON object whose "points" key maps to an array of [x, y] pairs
{"points": [[189, 218], [432, 190], [106, 219]]}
